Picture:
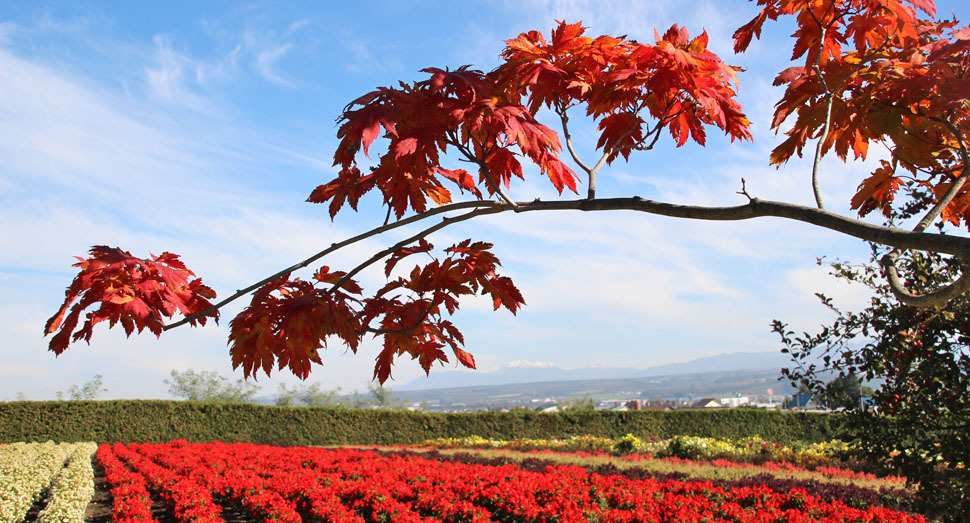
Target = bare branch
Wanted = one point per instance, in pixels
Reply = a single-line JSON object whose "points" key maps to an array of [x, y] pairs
{"points": [[411, 239], [744, 191], [569, 140], [943, 243], [936, 298], [492, 184], [933, 213], [333, 247], [829, 93], [755, 208]]}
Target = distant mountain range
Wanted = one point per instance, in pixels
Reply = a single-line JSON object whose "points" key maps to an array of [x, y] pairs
{"points": [[521, 372]]}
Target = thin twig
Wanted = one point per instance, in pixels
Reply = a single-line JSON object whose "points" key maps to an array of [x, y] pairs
{"points": [[333, 247], [829, 93], [561, 110], [417, 324], [744, 191], [492, 184], [591, 193], [411, 239], [957, 184]]}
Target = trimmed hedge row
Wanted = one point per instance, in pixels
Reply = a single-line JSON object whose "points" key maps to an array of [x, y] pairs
{"points": [[160, 421]]}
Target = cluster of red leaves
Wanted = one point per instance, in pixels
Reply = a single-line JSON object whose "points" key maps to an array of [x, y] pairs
{"points": [[353, 485], [459, 108], [135, 292], [677, 81], [893, 78], [289, 320]]}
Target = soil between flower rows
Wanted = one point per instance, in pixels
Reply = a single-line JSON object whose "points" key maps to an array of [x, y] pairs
{"points": [[99, 509]]}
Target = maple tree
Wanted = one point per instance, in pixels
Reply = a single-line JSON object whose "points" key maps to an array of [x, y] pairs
{"points": [[873, 71]]}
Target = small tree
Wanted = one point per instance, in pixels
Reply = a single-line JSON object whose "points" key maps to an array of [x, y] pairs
{"points": [[579, 405], [922, 357], [383, 398], [869, 72], [209, 386], [845, 392], [309, 396], [90, 390]]}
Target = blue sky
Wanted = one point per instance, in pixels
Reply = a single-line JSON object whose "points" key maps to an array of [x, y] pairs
{"points": [[201, 127]]}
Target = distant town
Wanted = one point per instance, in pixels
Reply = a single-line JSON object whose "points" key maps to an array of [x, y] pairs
{"points": [[796, 402]]}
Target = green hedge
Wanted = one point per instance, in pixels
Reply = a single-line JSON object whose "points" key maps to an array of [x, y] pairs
{"points": [[159, 421]]}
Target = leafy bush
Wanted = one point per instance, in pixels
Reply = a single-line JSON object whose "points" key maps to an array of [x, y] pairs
{"points": [[159, 421]]}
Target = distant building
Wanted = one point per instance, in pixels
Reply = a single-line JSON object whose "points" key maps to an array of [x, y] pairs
{"points": [[736, 401], [634, 405], [707, 403], [803, 402]]}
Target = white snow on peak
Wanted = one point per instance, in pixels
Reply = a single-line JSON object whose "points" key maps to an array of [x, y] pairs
{"points": [[526, 364]]}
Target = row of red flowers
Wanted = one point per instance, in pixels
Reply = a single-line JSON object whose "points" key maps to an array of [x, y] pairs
{"points": [[828, 471], [293, 484]]}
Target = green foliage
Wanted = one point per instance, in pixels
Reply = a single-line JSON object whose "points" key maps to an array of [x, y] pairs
{"points": [[845, 392], [584, 404], [209, 386], [160, 421], [308, 395], [90, 390], [922, 357], [628, 444], [383, 398]]}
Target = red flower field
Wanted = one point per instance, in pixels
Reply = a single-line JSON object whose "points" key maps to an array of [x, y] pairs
{"points": [[196, 481]]}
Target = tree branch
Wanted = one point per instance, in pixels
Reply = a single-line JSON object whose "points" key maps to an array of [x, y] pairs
{"points": [[946, 244], [931, 299], [829, 93], [492, 184], [569, 140], [957, 184], [333, 247], [962, 284], [407, 241], [816, 189], [755, 208]]}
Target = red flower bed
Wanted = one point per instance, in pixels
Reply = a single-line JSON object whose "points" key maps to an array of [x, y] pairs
{"points": [[296, 484]]}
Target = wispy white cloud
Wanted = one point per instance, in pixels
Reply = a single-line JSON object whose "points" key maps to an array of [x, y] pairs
{"points": [[7, 31], [266, 47], [266, 60], [366, 58], [168, 79], [87, 165]]}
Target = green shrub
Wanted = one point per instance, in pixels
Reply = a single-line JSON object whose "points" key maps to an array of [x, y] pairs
{"points": [[159, 421]]}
